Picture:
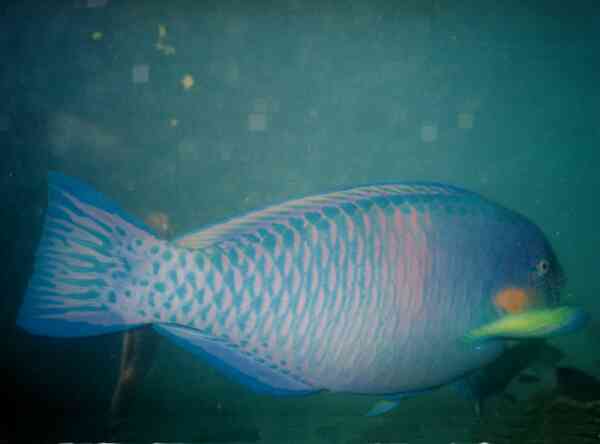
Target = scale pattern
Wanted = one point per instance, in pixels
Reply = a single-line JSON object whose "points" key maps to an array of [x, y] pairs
{"points": [[314, 288]]}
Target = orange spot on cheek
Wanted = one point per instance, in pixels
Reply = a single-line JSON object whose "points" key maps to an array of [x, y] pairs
{"points": [[512, 300]]}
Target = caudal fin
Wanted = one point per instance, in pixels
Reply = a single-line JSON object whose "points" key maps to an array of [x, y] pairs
{"points": [[89, 254]]}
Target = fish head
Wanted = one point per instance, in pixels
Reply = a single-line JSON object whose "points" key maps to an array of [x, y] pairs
{"points": [[533, 277], [526, 301]]}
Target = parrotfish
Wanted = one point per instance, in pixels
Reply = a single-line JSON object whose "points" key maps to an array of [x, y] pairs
{"points": [[388, 289]]}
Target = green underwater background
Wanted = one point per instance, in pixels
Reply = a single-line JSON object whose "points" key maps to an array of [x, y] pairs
{"points": [[190, 112]]}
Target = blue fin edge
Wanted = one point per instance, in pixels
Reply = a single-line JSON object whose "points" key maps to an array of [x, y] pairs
{"points": [[228, 370]]}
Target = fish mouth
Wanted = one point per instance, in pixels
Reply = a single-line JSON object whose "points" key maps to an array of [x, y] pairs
{"points": [[531, 324]]}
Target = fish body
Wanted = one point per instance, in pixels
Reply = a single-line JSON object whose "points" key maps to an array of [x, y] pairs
{"points": [[368, 290]]}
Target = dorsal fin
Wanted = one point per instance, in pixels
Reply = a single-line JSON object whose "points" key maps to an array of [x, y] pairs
{"points": [[248, 223]]}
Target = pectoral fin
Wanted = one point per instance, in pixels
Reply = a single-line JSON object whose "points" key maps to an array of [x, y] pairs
{"points": [[391, 401], [382, 407], [541, 323]]}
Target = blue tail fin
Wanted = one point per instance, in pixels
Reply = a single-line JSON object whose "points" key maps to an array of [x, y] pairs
{"points": [[89, 254]]}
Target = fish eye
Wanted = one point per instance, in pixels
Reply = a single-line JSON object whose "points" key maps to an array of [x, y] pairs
{"points": [[542, 267]]}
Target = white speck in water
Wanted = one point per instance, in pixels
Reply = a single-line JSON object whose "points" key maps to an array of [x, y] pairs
{"points": [[257, 122], [429, 132], [130, 185], [141, 73], [465, 120]]}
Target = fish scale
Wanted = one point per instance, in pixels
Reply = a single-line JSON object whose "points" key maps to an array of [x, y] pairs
{"points": [[312, 288]]}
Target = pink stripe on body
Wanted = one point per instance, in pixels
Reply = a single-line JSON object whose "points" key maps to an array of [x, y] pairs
{"points": [[360, 248], [225, 264], [305, 258], [237, 280], [250, 323], [368, 274], [227, 298], [414, 218], [257, 284], [427, 218], [284, 304], [268, 265], [341, 254], [350, 227], [416, 250], [287, 263], [338, 300], [230, 321], [301, 303], [314, 235], [324, 254], [266, 302], [268, 325], [285, 327], [251, 267], [245, 301], [367, 223], [333, 232], [398, 221], [331, 281], [302, 328], [277, 282], [208, 296], [218, 281], [314, 275], [295, 280], [278, 245], [296, 240], [319, 302]]}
